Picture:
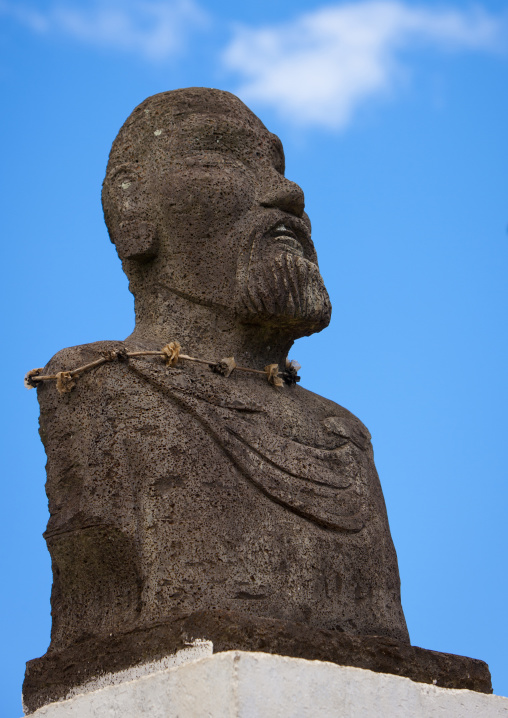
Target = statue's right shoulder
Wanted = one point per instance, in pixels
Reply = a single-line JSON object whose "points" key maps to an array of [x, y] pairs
{"points": [[71, 358]]}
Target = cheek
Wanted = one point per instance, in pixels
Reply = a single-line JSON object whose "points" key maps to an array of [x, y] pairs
{"points": [[201, 219], [207, 201]]}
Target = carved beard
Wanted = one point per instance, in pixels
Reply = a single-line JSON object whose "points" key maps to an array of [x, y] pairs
{"points": [[286, 290]]}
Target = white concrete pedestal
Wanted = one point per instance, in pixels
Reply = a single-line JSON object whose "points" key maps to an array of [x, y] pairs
{"points": [[238, 684]]}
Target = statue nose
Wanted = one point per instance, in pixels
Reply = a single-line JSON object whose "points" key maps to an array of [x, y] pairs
{"points": [[281, 193]]}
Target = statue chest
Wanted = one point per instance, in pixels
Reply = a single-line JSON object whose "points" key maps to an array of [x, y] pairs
{"points": [[309, 461]]}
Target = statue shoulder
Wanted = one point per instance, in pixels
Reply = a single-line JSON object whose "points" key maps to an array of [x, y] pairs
{"points": [[69, 404], [71, 358], [335, 418]]}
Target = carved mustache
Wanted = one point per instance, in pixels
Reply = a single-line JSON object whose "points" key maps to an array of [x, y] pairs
{"points": [[289, 231], [288, 239]]}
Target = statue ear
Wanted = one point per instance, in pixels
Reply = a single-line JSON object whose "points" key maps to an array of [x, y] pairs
{"points": [[130, 228]]}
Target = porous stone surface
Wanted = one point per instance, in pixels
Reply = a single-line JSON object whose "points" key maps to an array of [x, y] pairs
{"points": [[257, 685], [52, 677], [176, 490]]}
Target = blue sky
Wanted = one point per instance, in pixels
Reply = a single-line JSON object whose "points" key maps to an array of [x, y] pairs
{"points": [[393, 116]]}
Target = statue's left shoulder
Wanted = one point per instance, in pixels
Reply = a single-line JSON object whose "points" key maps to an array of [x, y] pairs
{"points": [[335, 418]]}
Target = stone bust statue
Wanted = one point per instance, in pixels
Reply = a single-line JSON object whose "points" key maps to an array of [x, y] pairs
{"points": [[184, 503]]}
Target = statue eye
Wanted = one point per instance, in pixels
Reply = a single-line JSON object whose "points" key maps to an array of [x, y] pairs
{"points": [[213, 158]]}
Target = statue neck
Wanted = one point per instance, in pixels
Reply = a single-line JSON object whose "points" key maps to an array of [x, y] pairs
{"points": [[207, 332]]}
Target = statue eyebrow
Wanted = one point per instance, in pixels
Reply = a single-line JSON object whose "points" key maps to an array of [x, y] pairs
{"points": [[240, 139], [279, 151], [278, 145]]}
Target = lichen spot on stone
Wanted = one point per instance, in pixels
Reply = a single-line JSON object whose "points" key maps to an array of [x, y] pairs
{"points": [[157, 133], [126, 184]]}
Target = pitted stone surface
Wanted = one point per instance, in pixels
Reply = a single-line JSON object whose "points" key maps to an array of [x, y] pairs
{"points": [[50, 678], [178, 491]]}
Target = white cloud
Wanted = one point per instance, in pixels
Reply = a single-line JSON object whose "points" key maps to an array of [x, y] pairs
{"points": [[154, 29], [318, 68]]}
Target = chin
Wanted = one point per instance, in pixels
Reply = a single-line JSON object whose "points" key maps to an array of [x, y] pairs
{"points": [[286, 291]]}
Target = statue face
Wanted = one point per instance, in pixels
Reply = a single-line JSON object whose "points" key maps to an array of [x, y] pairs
{"points": [[232, 231]]}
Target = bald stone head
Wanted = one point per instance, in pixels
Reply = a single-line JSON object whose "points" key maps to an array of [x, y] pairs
{"points": [[196, 202]]}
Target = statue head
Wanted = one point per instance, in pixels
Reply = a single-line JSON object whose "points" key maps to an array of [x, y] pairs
{"points": [[196, 202]]}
